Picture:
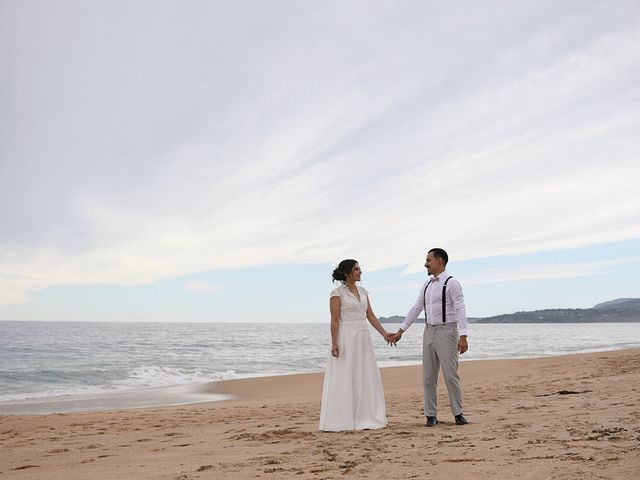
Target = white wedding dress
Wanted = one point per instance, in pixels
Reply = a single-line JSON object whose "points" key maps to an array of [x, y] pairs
{"points": [[352, 395]]}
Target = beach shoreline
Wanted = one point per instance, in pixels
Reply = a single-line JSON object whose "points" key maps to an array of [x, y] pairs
{"points": [[573, 416], [130, 366], [189, 394]]}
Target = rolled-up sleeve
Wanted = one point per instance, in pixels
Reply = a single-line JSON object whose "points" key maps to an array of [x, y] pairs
{"points": [[457, 298]]}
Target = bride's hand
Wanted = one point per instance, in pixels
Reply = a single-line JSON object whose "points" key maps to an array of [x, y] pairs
{"points": [[335, 351], [391, 339]]}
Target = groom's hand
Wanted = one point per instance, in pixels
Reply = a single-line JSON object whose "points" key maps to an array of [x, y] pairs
{"points": [[396, 337], [463, 346]]}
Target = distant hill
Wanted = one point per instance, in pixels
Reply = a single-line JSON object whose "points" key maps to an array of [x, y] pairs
{"points": [[619, 310], [620, 303]]}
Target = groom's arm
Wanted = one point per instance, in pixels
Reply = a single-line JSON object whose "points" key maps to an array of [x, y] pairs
{"points": [[412, 315], [414, 311], [461, 315]]}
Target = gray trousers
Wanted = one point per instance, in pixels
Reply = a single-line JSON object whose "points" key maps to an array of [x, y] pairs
{"points": [[440, 349]]}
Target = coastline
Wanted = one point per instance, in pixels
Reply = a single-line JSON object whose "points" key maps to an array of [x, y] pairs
{"points": [[520, 426], [100, 374], [205, 392]]}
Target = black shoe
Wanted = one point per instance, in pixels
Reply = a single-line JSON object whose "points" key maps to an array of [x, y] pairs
{"points": [[431, 422], [460, 420]]}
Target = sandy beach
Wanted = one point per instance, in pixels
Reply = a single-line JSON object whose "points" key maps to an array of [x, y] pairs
{"points": [[563, 417]]}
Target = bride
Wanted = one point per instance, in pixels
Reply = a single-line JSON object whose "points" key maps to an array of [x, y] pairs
{"points": [[352, 396]]}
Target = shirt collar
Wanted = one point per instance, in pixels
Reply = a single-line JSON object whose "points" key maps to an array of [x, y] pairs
{"points": [[439, 277]]}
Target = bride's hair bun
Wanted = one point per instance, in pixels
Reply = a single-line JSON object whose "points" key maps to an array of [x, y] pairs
{"points": [[337, 275], [344, 268]]}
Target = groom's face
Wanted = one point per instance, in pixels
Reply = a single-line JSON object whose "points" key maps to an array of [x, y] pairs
{"points": [[433, 264]]}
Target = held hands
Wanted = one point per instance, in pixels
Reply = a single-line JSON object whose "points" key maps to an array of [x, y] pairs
{"points": [[392, 339]]}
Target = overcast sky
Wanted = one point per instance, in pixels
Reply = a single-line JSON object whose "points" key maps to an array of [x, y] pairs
{"points": [[214, 160]]}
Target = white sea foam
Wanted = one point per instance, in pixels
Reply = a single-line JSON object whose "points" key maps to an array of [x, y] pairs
{"points": [[144, 377], [154, 375]]}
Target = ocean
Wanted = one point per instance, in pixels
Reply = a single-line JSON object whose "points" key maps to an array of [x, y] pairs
{"points": [[50, 367]]}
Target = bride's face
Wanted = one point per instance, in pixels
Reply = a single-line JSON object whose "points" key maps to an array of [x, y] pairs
{"points": [[356, 273]]}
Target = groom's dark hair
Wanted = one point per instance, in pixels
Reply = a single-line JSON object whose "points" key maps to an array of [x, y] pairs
{"points": [[440, 253]]}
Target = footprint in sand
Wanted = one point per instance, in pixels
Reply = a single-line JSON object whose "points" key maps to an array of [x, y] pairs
{"points": [[347, 466], [91, 446], [273, 435], [59, 450], [24, 467], [330, 456], [608, 433]]}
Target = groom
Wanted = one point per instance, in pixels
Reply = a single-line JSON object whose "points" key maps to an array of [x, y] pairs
{"points": [[445, 335]]}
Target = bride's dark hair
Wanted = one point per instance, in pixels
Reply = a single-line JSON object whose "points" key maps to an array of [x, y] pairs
{"points": [[345, 267]]}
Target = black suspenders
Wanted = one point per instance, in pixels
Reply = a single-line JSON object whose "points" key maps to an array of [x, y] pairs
{"points": [[424, 301], [444, 300]]}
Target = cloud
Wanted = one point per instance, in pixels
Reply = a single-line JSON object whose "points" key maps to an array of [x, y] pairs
{"points": [[413, 287], [201, 287], [548, 272], [223, 136], [527, 273]]}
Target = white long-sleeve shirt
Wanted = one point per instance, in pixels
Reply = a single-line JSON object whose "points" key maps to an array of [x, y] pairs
{"points": [[456, 311]]}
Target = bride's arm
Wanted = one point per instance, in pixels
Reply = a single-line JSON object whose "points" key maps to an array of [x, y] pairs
{"points": [[373, 320], [334, 308]]}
